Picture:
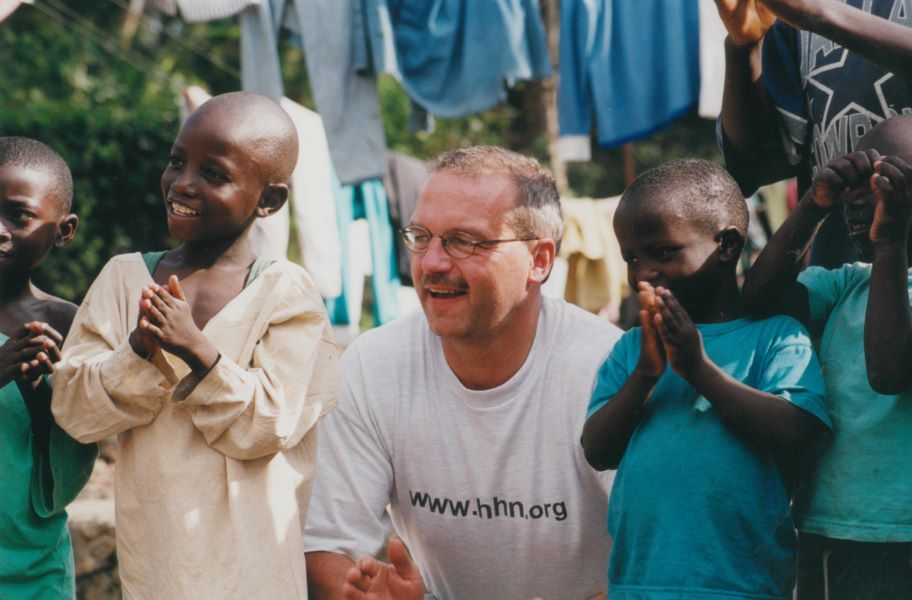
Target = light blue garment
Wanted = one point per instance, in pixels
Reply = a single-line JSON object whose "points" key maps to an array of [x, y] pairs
{"points": [[454, 56], [697, 511], [862, 487], [632, 66], [367, 200], [347, 101]]}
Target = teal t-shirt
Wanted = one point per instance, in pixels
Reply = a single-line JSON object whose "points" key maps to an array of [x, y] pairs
{"points": [[862, 487], [697, 511], [36, 559]]}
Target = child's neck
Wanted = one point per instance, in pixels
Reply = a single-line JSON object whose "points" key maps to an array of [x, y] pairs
{"points": [[207, 253], [723, 305], [17, 288]]}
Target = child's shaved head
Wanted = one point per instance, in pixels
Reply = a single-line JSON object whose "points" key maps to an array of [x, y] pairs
{"points": [[695, 190], [267, 132], [891, 137], [32, 154]]}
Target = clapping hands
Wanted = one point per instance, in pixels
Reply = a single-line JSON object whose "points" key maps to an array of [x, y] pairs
{"points": [[30, 353]]}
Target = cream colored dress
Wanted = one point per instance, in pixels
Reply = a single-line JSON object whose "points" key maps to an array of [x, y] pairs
{"points": [[214, 475]]}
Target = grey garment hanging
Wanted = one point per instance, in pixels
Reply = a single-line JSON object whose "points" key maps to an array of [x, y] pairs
{"points": [[348, 102]]}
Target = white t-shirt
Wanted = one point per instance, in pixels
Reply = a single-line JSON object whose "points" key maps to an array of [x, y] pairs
{"points": [[488, 489]]}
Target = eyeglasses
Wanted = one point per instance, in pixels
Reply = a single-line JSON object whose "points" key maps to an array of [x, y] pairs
{"points": [[457, 244]]}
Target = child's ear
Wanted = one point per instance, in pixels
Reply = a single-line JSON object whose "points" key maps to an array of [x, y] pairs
{"points": [[66, 229], [543, 254], [272, 199], [730, 241]]}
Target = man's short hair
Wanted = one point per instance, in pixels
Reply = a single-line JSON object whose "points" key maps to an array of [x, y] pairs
{"points": [[701, 191], [32, 154], [538, 211]]}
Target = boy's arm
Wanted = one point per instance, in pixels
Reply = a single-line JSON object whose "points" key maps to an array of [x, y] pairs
{"points": [[608, 430], [101, 387], [766, 419], [771, 286], [888, 324], [748, 124], [61, 465], [877, 39], [251, 412]]}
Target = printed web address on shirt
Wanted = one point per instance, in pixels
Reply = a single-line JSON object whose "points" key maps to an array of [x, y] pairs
{"points": [[496, 508]]}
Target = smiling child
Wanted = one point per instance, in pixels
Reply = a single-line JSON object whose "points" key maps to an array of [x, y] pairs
{"points": [[702, 411], [212, 367]]}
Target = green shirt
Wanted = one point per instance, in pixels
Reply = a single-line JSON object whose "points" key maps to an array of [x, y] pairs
{"points": [[36, 558], [862, 485]]}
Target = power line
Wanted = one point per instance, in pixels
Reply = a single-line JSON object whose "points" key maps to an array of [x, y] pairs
{"points": [[70, 20], [216, 62]]}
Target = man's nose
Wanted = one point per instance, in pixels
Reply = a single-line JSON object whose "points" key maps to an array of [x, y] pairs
{"points": [[435, 259], [5, 234]]}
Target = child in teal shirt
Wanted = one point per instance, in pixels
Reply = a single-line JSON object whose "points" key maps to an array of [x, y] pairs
{"points": [[41, 467], [855, 516], [704, 413]]}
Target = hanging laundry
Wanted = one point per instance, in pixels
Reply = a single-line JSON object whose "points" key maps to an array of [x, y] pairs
{"points": [[366, 200], [631, 67], [597, 274], [712, 60], [453, 57], [198, 11], [348, 102], [403, 183]]}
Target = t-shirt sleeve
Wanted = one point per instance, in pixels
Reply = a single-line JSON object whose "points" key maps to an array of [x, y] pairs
{"points": [[825, 287], [354, 479], [791, 370], [613, 373], [780, 154], [59, 477]]}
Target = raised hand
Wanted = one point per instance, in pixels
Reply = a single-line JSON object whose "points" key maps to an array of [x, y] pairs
{"points": [[746, 21], [652, 356], [167, 317], [681, 340], [30, 353], [370, 579], [891, 185], [841, 175]]}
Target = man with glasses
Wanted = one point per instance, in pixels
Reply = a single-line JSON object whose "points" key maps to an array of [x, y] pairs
{"points": [[459, 425]]}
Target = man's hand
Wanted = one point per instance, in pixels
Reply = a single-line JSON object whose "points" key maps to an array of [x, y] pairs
{"points": [[370, 579], [30, 353], [891, 184], [681, 341], [652, 357], [746, 21], [841, 175]]}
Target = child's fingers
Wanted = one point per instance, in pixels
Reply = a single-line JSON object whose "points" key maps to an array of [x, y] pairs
{"points": [[176, 290], [151, 310], [151, 329], [893, 171]]}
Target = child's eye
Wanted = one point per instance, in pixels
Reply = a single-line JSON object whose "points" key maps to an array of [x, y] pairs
{"points": [[21, 216], [664, 253], [213, 175], [175, 162], [630, 260]]}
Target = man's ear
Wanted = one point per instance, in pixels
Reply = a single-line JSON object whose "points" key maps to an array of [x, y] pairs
{"points": [[272, 199], [543, 253], [730, 243], [66, 229]]}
